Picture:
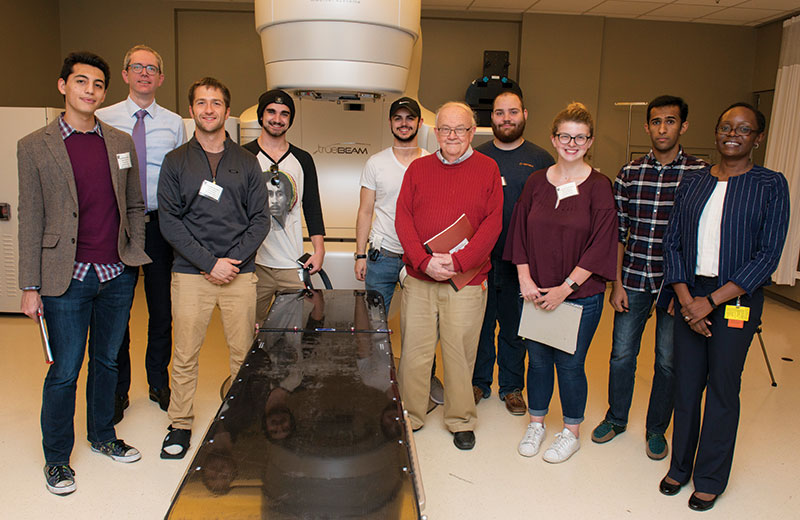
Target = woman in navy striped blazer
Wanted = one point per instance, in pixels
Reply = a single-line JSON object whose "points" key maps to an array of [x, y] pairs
{"points": [[724, 240]]}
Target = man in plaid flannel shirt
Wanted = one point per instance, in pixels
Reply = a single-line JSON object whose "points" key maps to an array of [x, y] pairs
{"points": [[644, 192]]}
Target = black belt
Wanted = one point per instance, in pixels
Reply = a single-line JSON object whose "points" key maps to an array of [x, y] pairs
{"points": [[151, 216], [387, 253]]}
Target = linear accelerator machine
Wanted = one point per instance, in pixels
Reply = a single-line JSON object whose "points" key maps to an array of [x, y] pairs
{"points": [[313, 425]]}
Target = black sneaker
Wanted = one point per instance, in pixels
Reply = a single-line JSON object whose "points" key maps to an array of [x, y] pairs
{"points": [[60, 480], [120, 403], [160, 396], [117, 450]]}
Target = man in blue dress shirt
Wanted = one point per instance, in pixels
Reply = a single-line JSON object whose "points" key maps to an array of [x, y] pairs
{"points": [[155, 131]]}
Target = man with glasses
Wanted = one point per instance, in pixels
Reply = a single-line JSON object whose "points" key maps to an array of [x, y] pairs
{"points": [[380, 268], [437, 190], [291, 177], [155, 132], [517, 159], [645, 191]]}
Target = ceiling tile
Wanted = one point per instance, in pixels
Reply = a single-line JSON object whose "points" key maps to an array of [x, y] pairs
{"points": [[736, 14], [445, 4], [622, 8], [505, 5], [683, 11], [715, 3], [560, 6], [663, 18], [788, 5]]}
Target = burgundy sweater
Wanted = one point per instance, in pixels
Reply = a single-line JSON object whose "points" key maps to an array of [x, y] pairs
{"points": [[434, 195], [582, 231], [98, 215]]}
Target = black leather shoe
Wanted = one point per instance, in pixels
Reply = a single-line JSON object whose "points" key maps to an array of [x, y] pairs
{"points": [[120, 403], [698, 504], [464, 440], [160, 396], [669, 489]]}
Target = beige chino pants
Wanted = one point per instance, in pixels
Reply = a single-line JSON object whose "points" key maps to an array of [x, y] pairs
{"points": [[193, 301], [431, 312]]}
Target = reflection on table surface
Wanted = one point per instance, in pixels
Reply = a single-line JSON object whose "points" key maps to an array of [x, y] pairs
{"points": [[312, 427]]}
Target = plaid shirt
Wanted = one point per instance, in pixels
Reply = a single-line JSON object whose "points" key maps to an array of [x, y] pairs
{"points": [[105, 272], [644, 192]]}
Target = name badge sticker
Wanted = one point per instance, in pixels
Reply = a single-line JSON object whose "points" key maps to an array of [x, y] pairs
{"points": [[124, 160], [566, 191], [210, 191]]}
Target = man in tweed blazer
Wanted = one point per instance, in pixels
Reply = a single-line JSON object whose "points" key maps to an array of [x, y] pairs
{"points": [[81, 237]]}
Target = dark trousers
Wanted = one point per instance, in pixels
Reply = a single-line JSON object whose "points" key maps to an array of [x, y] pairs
{"points": [[157, 276], [503, 307], [703, 450]]}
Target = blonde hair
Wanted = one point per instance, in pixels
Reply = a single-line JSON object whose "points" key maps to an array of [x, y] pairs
{"points": [[127, 60], [575, 112]]}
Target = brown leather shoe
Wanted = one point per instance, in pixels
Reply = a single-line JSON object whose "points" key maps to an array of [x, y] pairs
{"points": [[477, 393], [515, 404]]}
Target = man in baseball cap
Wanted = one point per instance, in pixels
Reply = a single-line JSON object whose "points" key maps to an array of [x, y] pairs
{"points": [[291, 179]]}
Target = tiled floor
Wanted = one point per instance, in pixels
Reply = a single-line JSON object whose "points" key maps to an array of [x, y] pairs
{"points": [[612, 481]]}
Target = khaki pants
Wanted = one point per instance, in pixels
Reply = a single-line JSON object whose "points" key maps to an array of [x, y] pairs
{"points": [[193, 301], [270, 281], [430, 312]]}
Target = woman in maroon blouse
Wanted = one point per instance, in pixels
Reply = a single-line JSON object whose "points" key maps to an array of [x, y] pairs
{"points": [[562, 238]]}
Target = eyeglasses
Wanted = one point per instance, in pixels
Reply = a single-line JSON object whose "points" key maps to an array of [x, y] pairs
{"points": [[274, 179], [579, 139], [460, 131], [742, 130], [138, 68]]}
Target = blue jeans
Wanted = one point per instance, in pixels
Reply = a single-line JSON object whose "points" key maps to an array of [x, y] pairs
{"points": [[628, 328], [382, 276], [103, 309], [572, 385], [502, 306]]}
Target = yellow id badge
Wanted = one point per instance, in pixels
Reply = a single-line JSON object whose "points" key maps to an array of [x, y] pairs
{"points": [[736, 312]]}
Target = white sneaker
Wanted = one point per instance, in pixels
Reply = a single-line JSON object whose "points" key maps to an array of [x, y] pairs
{"points": [[532, 440], [562, 448]]}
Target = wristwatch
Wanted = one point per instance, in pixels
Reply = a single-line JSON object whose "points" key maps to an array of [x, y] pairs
{"points": [[711, 302], [572, 285], [357, 256]]}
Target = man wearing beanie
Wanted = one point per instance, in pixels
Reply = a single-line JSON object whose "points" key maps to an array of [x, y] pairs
{"points": [[291, 179]]}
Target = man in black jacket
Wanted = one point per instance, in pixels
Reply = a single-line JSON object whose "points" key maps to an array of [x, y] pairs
{"points": [[291, 177], [212, 210]]}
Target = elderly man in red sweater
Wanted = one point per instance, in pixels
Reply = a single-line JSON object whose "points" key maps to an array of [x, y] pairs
{"points": [[436, 191]]}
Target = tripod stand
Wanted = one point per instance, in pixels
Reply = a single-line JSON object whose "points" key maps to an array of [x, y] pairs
{"points": [[766, 357]]}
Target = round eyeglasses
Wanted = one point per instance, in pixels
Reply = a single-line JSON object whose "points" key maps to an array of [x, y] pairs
{"points": [[742, 130], [579, 139], [138, 68]]}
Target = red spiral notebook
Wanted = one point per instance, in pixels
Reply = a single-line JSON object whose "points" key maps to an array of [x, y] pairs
{"points": [[453, 238]]}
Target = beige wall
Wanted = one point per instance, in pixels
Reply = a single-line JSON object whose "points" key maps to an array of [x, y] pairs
{"points": [[452, 55], [611, 60], [235, 59], [29, 37], [555, 70], [111, 28]]}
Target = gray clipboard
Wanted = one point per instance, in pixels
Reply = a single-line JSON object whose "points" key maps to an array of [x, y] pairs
{"points": [[557, 328]]}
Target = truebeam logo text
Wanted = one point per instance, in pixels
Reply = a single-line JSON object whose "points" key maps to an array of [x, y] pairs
{"points": [[344, 149]]}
